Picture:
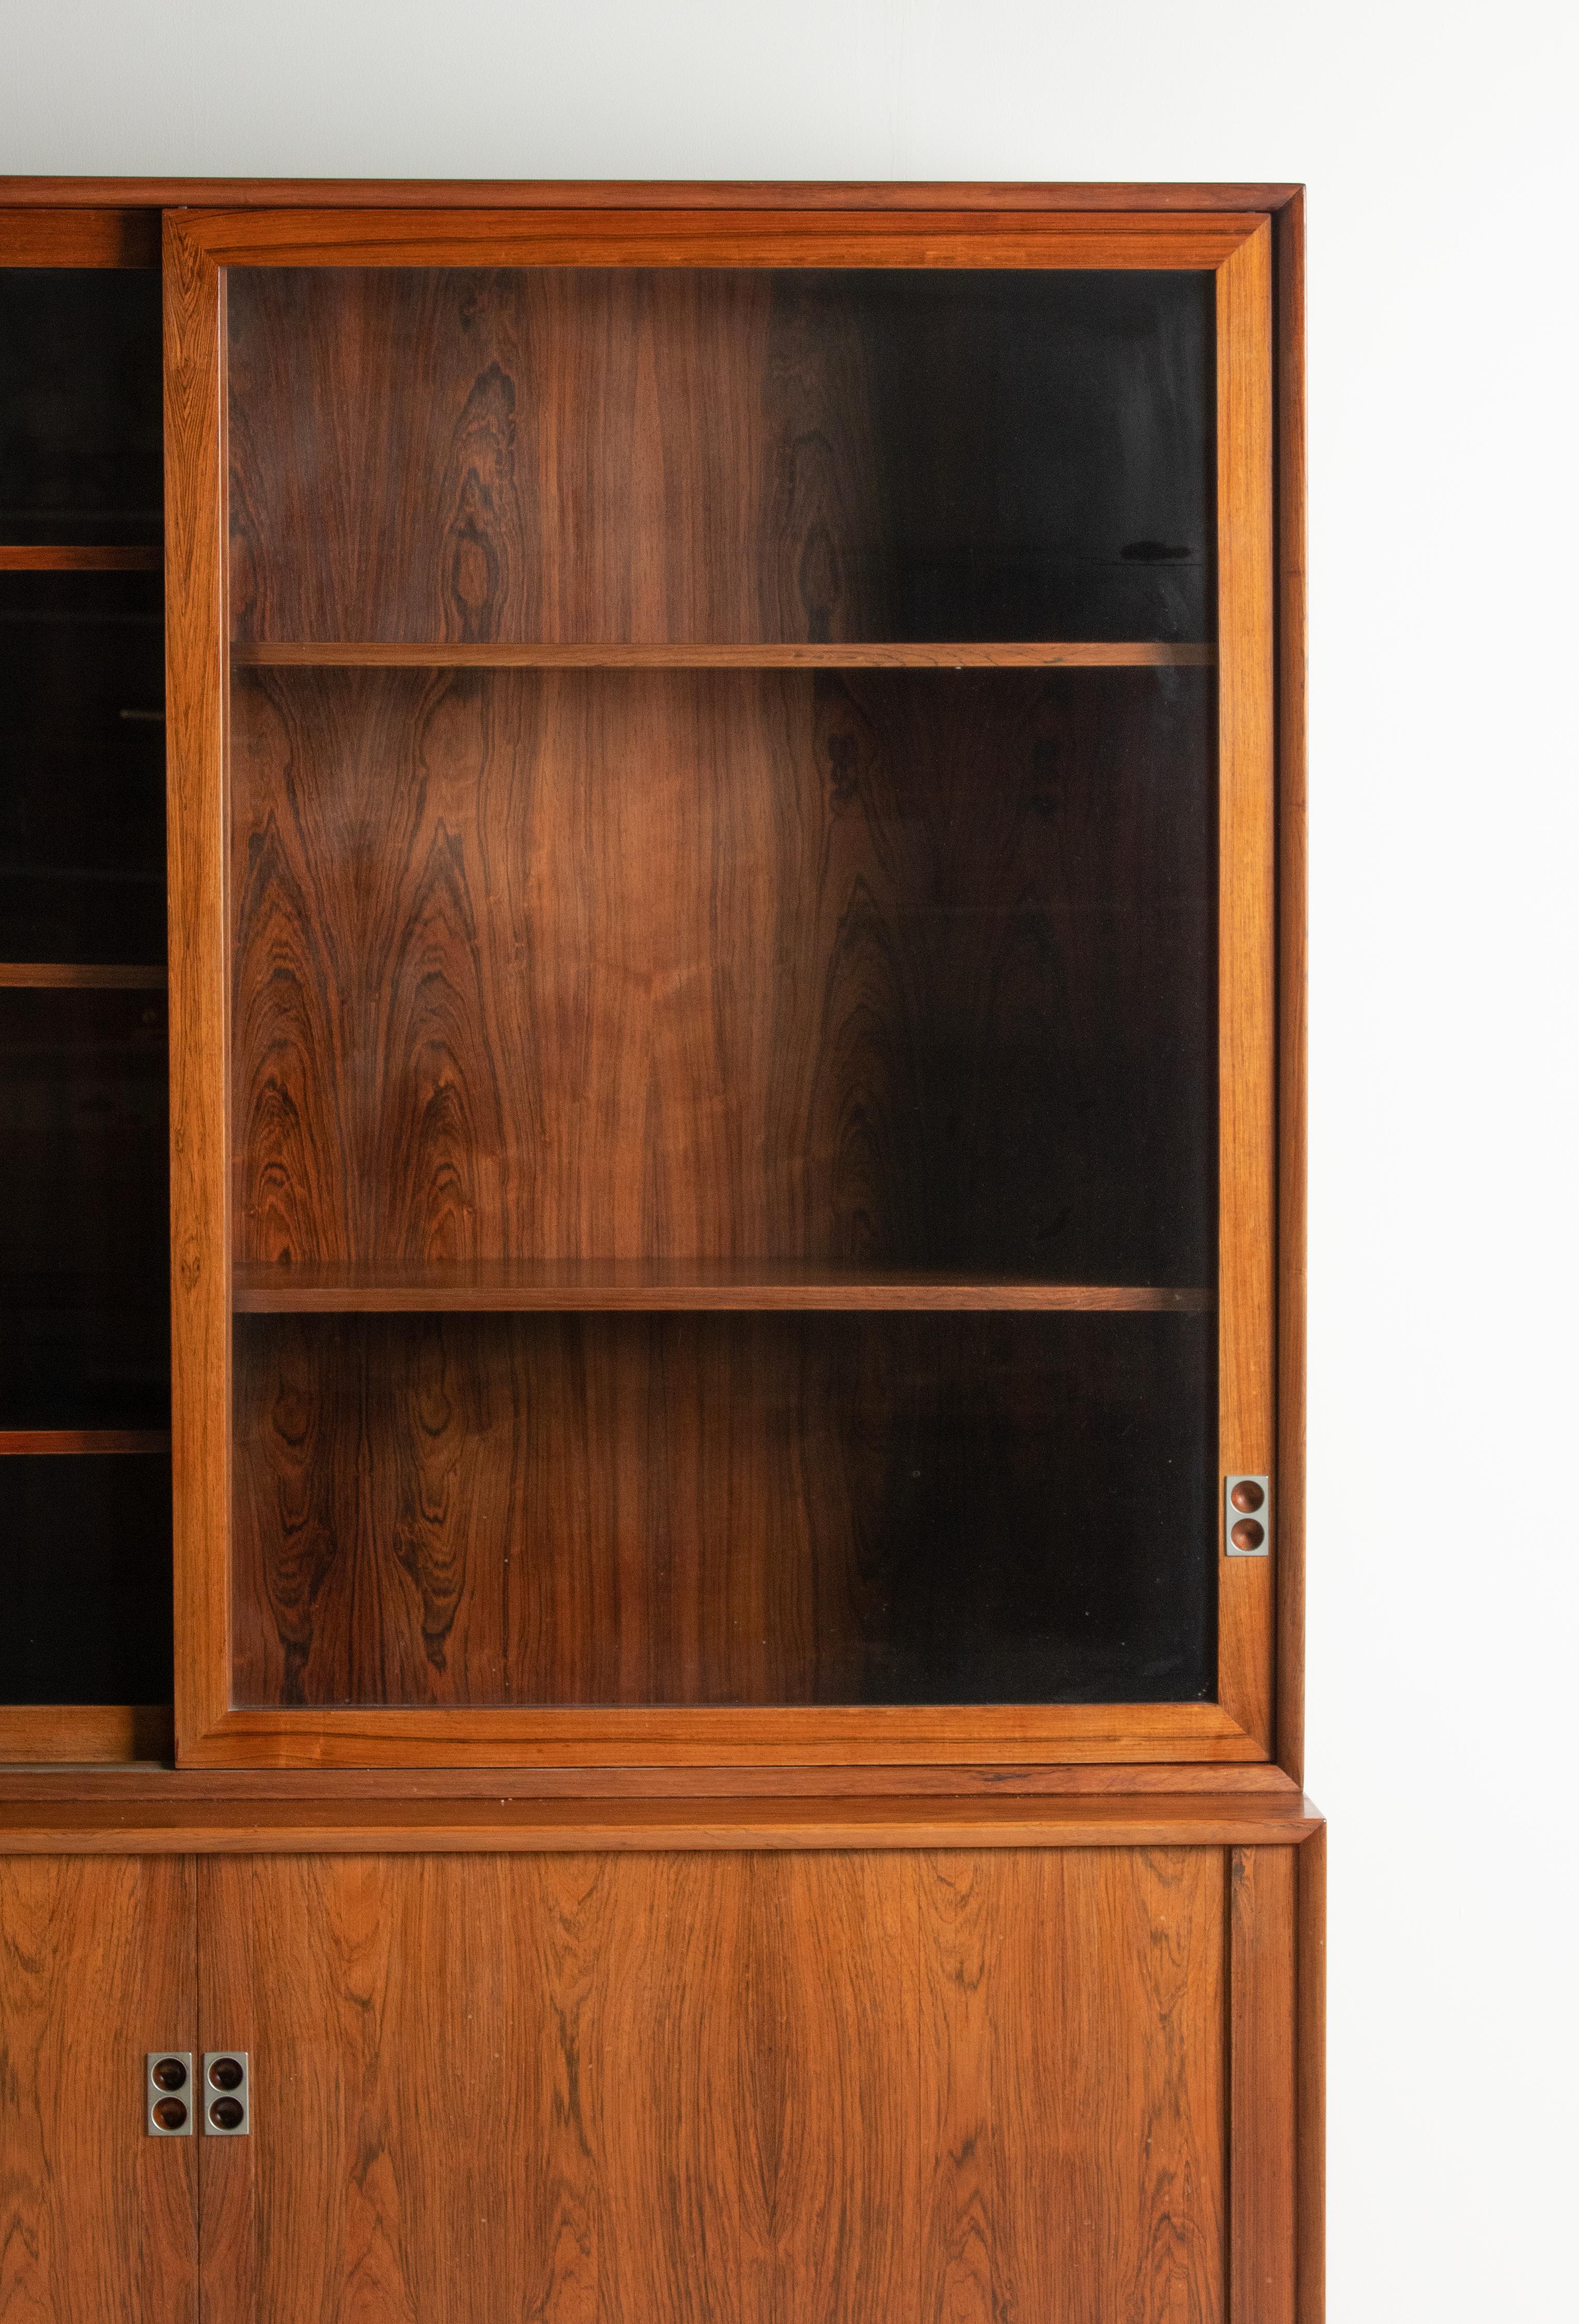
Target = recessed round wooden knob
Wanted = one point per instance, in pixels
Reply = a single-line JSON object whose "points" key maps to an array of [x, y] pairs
{"points": [[170, 2074], [225, 2114], [224, 2073], [1247, 1535], [170, 2114], [1247, 1494]]}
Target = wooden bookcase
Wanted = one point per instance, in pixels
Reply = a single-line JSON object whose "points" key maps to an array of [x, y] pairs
{"points": [[729, 1217]]}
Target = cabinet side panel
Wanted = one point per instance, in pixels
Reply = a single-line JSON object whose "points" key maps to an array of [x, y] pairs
{"points": [[1262, 2072], [97, 1967]]}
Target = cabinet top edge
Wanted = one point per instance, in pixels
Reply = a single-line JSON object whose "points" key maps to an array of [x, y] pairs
{"points": [[499, 193]]}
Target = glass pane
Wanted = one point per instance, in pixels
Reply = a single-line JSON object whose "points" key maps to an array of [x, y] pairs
{"points": [[581, 456], [84, 1566], [82, 768], [885, 996], [84, 1237], [81, 455]]}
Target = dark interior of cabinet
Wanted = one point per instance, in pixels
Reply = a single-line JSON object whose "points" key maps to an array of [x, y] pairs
{"points": [[687, 1509], [84, 1238], [81, 391], [84, 1532], [82, 768], [85, 1569], [588, 455]]}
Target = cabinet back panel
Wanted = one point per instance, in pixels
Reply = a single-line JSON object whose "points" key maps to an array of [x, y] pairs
{"points": [[82, 768], [81, 382], [84, 1229], [907, 969], [590, 455], [84, 1579], [691, 1509]]}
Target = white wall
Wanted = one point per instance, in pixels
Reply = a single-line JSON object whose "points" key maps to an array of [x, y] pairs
{"points": [[1442, 550]]}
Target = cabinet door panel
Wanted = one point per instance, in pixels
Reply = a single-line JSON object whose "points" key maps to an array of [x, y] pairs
{"points": [[713, 2087], [97, 1966]]}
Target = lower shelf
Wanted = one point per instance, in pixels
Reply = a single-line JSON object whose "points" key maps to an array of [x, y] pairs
{"points": [[85, 1734], [589, 1285]]}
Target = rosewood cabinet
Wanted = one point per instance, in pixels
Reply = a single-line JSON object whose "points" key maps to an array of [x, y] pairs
{"points": [[654, 1385]]}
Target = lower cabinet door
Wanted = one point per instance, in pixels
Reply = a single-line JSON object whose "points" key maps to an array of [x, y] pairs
{"points": [[1056, 2085], [98, 1968]]}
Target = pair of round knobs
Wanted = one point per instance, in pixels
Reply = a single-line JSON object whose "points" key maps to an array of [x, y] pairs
{"points": [[224, 2113], [1247, 1496]]}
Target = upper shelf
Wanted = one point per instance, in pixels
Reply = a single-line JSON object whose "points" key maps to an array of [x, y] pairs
{"points": [[570, 1286], [436, 654]]}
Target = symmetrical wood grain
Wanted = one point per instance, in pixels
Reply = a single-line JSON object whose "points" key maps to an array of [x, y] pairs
{"points": [[762, 2087], [98, 2221], [907, 970], [673, 1510], [605, 452]]}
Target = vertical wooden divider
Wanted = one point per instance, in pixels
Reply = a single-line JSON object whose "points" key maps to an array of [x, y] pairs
{"points": [[199, 1178], [1247, 941]]}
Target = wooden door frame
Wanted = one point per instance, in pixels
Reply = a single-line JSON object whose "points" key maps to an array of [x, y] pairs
{"points": [[1237, 245]]}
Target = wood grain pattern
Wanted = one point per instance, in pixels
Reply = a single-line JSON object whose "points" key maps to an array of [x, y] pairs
{"points": [[154, 1814], [1091, 653], [1289, 254], [569, 237], [586, 1287], [1263, 2051], [900, 970], [87, 1732], [79, 976], [759, 2087], [1254, 1784], [47, 559], [690, 1509], [35, 230], [1311, 2088], [97, 2222], [1247, 940], [490, 460], [199, 979]]}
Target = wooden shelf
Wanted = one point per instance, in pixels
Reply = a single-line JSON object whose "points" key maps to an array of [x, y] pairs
{"points": [[41, 1440], [62, 1734], [1079, 654], [82, 976], [572, 1287], [50, 559]]}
